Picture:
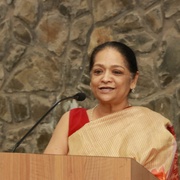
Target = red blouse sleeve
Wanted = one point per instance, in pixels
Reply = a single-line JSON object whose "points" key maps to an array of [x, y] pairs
{"points": [[78, 117]]}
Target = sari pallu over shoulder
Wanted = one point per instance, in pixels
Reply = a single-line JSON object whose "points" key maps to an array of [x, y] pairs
{"points": [[135, 132]]}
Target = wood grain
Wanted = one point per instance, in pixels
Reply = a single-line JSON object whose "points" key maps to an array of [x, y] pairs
{"points": [[19, 166]]}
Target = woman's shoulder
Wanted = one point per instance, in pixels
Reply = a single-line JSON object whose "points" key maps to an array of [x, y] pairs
{"points": [[145, 110], [150, 114]]}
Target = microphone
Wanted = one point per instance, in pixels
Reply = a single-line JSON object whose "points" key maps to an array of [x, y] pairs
{"points": [[79, 97]]}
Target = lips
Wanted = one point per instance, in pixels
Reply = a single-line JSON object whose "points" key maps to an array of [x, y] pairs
{"points": [[106, 89]]}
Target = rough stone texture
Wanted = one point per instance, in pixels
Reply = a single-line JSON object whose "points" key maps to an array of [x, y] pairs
{"points": [[27, 11], [155, 19], [171, 7], [4, 37], [21, 32], [103, 9], [147, 80], [52, 32], [44, 50], [15, 53], [125, 23]]}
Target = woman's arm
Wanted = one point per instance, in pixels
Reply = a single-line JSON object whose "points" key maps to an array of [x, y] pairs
{"points": [[59, 141]]}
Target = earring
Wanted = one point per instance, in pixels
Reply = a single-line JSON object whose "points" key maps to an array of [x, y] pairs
{"points": [[132, 90]]}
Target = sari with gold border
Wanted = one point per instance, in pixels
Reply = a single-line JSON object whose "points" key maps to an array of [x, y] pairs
{"points": [[135, 132]]}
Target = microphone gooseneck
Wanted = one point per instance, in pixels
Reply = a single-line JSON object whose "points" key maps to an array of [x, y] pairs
{"points": [[79, 97]]}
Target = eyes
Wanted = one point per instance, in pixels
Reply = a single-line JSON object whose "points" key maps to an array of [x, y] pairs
{"points": [[100, 71]]}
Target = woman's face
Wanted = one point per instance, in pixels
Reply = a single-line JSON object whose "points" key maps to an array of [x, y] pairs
{"points": [[111, 79]]}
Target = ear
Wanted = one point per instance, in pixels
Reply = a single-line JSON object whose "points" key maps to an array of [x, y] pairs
{"points": [[134, 80]]}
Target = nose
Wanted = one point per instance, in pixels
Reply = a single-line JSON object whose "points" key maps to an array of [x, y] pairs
{"points": [[106, 77]]}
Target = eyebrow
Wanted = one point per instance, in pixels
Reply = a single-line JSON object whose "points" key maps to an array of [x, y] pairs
{"points": [[114, 66]]}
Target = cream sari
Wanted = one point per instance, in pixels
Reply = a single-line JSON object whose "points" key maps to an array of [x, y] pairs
{"points": [[135, 132]]}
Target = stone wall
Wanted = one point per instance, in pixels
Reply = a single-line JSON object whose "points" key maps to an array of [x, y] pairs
{"points": [[44, 50]]}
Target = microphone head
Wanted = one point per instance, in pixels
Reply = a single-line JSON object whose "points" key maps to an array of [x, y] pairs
{"points": [[79, 96]]}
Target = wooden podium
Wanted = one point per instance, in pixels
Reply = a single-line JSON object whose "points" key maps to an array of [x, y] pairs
{"points": [[19, 166]]}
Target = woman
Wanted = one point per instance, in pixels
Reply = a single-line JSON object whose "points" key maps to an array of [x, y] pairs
{"points": [[114, 127]]}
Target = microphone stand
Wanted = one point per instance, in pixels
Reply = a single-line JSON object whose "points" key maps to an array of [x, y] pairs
{"points": [[55, 104]]}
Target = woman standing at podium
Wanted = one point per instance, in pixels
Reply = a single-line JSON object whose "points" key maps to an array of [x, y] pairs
{"points": [[113, 127]]}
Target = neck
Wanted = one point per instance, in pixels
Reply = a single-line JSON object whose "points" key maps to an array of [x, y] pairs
{"points": [[104, 109]]}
